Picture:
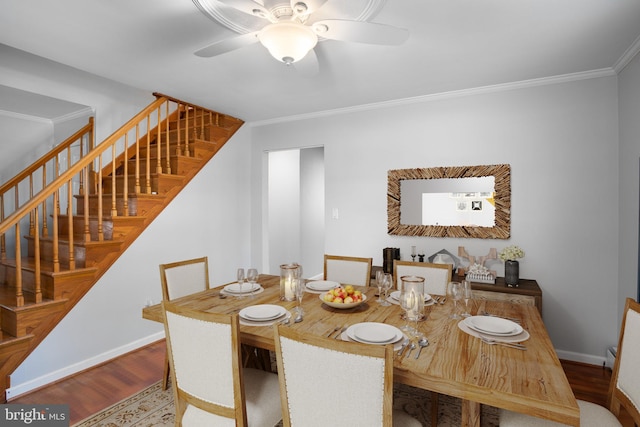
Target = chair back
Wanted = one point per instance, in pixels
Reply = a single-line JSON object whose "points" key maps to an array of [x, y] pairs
{"points": [[311, 369], [436, 276], [348, 270], [206, 372], [184, 278], [625, 382]]}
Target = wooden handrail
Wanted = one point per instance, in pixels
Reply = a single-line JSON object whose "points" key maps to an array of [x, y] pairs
{"points": [[98, 163]]}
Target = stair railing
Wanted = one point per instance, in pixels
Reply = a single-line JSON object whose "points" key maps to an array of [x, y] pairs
{"points": [[39, 217]]}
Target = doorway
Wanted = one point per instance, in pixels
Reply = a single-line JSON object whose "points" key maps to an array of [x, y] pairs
{"points": [[295, 209]]}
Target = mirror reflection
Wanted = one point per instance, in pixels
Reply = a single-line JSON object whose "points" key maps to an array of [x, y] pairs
{"points": [[448, 201]]}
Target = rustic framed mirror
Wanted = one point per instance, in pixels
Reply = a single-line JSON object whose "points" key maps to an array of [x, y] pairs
{"points": [[455, 201]]}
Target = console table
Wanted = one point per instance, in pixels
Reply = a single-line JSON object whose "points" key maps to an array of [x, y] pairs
{"points": [[527, 291]]}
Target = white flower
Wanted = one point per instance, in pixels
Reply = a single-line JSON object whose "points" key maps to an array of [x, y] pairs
{"points": [[511, 253]]}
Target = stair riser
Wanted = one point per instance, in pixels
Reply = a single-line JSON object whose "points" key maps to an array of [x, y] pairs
{"points": [[20, 323], [198, 148], [159, 184], [46, 253], [179, 166], [79, 231], [136, 206], [47, 283]]}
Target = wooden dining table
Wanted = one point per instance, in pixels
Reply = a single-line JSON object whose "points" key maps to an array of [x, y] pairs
{"points": [[454, 363]]}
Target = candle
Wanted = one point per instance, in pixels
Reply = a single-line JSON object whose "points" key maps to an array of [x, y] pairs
{"points": [[289, 290]]}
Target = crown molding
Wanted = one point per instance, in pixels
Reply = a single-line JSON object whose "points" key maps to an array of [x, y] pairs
{"points": [[564, 78], [14, 115], [87, 111], [627, 56]]}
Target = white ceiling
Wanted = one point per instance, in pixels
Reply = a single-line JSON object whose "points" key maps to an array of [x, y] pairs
{"points": [[453, 45]]}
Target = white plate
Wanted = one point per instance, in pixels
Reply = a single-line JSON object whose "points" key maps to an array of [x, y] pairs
{"points": [[374, 333], [493, 325], [322, 285], [396, 296], [262, 312], [234, 288]]}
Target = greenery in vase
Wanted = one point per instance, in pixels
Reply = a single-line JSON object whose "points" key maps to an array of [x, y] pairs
{"points": [[511, 253]]}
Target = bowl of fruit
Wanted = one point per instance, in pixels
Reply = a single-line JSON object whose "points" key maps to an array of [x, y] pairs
{"points": [[343, 298]]}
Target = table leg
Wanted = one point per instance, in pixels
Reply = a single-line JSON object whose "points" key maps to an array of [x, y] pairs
{"points": [[470, 414]]}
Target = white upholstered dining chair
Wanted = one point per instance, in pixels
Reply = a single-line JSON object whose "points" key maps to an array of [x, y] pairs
{"points": [[328, 382], [436, 276], [210, 386], [179, 279], [348, 270], [624, 390]]}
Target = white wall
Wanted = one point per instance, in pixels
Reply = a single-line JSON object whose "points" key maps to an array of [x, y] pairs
{"points": [[629, 93], [561, 142]]}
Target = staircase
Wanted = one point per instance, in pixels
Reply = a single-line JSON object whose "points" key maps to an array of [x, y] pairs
{"points": [[68, 217]]}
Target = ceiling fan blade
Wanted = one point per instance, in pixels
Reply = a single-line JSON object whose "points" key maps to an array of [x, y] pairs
{"points": [[249, 7], [227, 45], [307, 7], [360, 32]]}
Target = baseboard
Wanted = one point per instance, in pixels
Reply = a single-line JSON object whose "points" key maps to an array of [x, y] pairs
{"points": [[581, 357], [51, 377]]}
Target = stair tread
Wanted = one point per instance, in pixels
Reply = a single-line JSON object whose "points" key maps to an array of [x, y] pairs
{"points": [[46, 266]]}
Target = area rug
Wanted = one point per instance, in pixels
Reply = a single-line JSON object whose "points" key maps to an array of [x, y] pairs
{"points": [[154, 407]]}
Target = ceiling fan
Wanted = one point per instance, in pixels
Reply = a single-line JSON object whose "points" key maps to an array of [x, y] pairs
{"points": [[290, 31]]}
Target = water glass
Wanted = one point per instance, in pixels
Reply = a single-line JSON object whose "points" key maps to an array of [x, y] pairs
{"points": [[467, 296]]}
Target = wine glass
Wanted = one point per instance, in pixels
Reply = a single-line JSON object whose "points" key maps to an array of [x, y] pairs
{"points": [[466, 295], [387, 281], [240, 277], [252, 278], [298, 288], [379, 276], [454, 290]]}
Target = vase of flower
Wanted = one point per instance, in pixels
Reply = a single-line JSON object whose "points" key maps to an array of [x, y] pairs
{"points": [[511, 272], [510, 255]]}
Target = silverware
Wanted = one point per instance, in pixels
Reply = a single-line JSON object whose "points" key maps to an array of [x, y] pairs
{"points": [[422, 342], [337, 328], [284, 321], [435, 298], [491, 341], [404, 345], [411, 347], [344, 328], [443, 300]]}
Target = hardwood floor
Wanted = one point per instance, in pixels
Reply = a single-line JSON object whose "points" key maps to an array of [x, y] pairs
{"points": [[102, 386]]}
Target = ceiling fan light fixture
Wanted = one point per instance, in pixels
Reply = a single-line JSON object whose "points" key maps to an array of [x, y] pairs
{"points": [[288, 42]]}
